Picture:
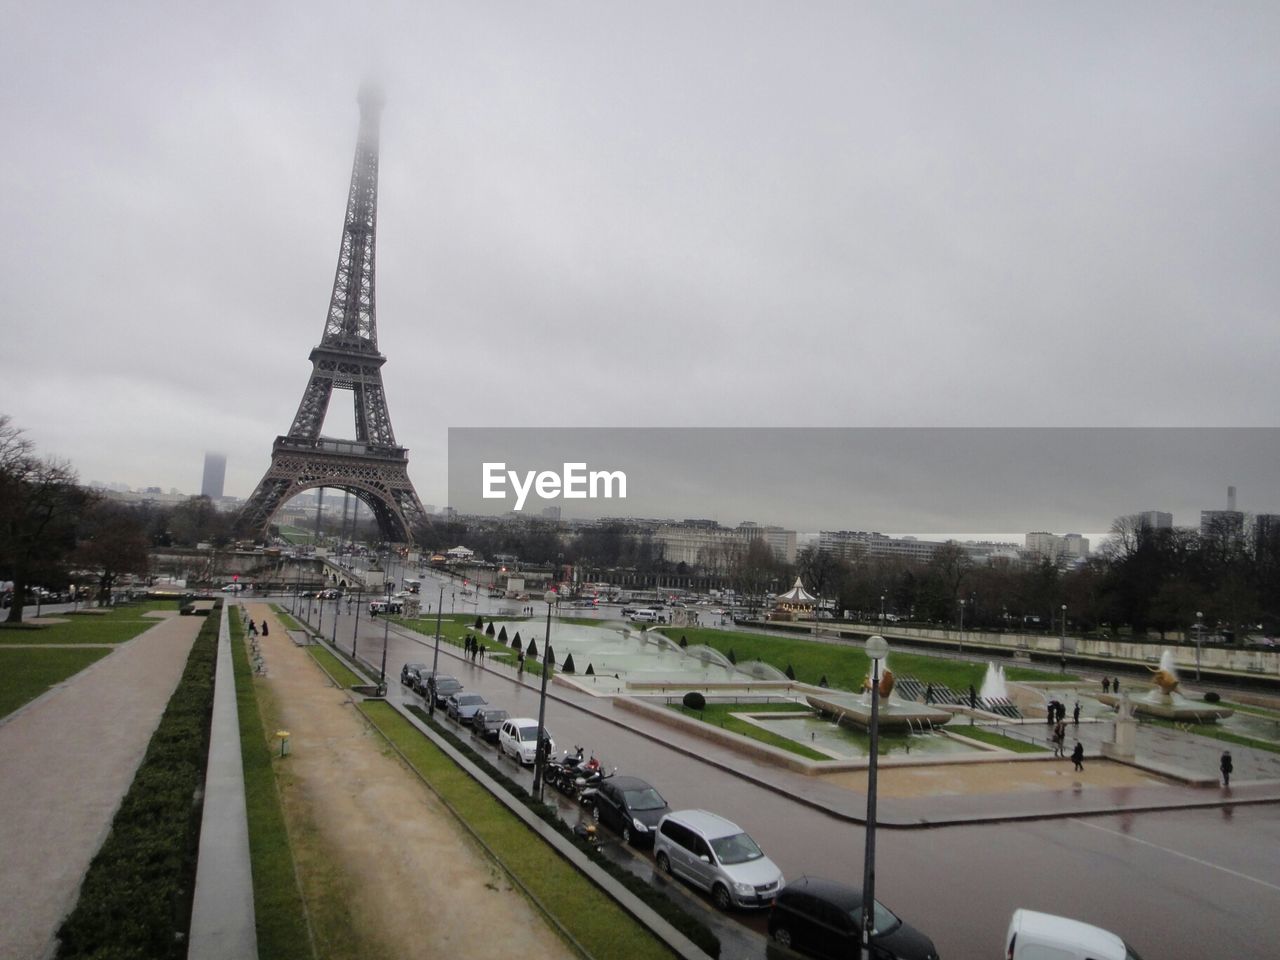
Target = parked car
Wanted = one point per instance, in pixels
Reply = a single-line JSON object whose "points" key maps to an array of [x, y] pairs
{"points": [[717, 855], [518, 738], [409, 674], [1033, 935], [823, 918], [487, 723], [630, 806], [463, 706], [419, 683], [442, 688]]}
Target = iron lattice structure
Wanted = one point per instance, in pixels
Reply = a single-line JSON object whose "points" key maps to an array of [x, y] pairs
{"points": [[372, 467]]}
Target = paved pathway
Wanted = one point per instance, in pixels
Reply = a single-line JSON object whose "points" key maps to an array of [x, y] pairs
{"points": [[65, 764]]}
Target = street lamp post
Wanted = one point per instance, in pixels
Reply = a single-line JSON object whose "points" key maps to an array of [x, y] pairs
{"points": [[962, 624], [877, 649], [435, 660], [541, 755], [386, 627], [1199, 632], [320, 622], [333, 637], [882, 611], [355, 629], [1062, 644]]}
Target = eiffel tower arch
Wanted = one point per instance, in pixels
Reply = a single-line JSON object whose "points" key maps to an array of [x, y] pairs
{"points": [[372, 467]]}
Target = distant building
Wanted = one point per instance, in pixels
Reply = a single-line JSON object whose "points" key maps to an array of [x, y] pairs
{"points": [[1156, 520], [1225, 524], [551, 513], [854, 545], [706, 544], [215, 475], [1070, 548]]}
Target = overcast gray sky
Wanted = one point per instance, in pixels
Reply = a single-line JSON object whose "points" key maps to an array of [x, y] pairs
{"points": [[660, 214]]}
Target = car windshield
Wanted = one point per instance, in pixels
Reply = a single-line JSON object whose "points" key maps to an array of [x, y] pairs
{"points": [[736, 849], [531, 732], [646, 799], [469, 698], [495, 716], [885, 919]]}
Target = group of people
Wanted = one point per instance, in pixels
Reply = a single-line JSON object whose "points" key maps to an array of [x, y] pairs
{"points": [[473, 648], [252, 628], [1110, 684]]}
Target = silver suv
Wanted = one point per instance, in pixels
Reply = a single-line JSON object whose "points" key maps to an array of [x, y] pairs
{"points": [[717, 855]]}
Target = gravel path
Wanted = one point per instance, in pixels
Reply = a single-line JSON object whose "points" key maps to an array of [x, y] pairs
{"points": [[417, 885]]}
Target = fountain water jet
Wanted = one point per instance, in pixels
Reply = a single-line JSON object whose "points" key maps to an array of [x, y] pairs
{"points": [[1163, 699], [993, 684]]}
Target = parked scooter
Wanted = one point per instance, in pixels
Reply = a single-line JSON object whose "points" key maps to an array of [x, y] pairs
{"points": [[561, 773], [589, 784]]}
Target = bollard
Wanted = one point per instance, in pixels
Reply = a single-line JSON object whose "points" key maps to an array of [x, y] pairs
{"points": [[284, 742]]}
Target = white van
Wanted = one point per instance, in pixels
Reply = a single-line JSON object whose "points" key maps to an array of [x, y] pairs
{"points": [[643, 616], [1042, 936]]}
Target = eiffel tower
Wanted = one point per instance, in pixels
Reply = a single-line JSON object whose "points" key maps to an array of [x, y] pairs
{"points": [[372, 467]]}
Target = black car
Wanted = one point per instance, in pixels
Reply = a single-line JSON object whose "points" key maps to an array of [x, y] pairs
{"points": [[487, 722], [409, 674], [631, 807], [822, 918], [442, 688], [419, 683]]}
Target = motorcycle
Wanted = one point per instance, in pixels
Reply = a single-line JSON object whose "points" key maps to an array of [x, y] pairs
{"points": [[589, 784], [560, 773]]}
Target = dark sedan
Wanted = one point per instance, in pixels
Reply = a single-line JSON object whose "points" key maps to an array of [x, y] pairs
{"points": [[442, 688], [823, 918], [487, 722], [463, 706], [409, 674], [631, 807]]}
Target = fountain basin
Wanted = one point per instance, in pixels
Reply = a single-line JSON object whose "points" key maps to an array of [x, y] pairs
{"points": [[894, 714], [1172, 706]]}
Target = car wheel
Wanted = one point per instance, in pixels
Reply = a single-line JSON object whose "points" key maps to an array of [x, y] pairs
{"points": [[664, 863], [626, 835], [783, 936], [595, 814], [720, 894]]}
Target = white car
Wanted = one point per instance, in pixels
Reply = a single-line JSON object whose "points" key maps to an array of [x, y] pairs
{"points": [[1033, 935], [518, 739]]}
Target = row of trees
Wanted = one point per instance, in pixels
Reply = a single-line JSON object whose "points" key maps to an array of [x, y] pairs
{"points": [[1144, 578], [52, 529]]}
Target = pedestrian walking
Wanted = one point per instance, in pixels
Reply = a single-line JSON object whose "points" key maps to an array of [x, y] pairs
{"points": [[1106, 684], [1226, 766], [1115, 685], [253, 630], [928, 693], [973, 698], [1077, 757], [520, 664], [1059, 739], [1075, 714], [481, 651], [266, 631]]}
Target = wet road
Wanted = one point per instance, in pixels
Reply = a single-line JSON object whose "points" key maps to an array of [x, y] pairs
{"points": [[1180, 885]]}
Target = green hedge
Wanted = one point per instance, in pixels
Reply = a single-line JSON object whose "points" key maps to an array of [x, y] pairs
{"points": [[136, 897], [690, 926]]}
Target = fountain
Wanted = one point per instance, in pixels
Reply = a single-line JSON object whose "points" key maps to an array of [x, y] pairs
{"points": [[1163, 699], [993, 684], [854, 709]]}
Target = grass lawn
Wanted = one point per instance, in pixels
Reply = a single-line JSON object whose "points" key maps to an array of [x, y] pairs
{"points": [[1252, 709], [279, 911], [595, 920], [720, 715], [284, 617], [1215, 732], [27, 673], [113, 626], [337, 669], [987, 735], [844, 666]]}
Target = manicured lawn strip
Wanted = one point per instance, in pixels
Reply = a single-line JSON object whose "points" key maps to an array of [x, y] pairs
{"points": [[844, 666], [27, 673], [1251, 709], [590, 916], [337, 669], [1215, 732], [114, 626], [720, 715], [136, 896], [279, 911], [987, 735], [286, 620]]}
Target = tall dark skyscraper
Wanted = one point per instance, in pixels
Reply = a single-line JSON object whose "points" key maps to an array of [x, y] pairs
{"points": [[215, 474]]}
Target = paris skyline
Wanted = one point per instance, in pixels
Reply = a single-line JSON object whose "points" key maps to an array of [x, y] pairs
{"points": [[882, 215]]}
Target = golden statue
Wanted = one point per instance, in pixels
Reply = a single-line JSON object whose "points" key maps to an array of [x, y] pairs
{"points": [[886, 682], [1164, 679]]}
